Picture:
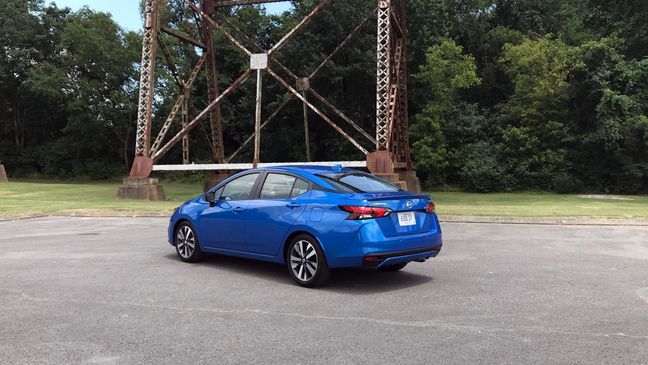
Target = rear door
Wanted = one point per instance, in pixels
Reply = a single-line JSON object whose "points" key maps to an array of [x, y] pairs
{"points": [[282, 200], [223, 226]]}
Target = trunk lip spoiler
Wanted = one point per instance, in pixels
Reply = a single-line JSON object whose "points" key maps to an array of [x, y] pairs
{"points": [[401, 197]]}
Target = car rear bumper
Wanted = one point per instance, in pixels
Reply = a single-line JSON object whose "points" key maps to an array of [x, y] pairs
{"points": [[397, 257], [369, 241]]}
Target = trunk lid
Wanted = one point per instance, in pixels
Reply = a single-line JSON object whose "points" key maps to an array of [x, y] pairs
{"points": [[408, 212]]}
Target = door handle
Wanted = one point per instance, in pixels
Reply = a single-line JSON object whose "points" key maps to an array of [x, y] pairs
{"points": [[239, 210], [293, 205]]}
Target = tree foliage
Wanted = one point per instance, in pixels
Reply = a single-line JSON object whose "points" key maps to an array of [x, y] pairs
{"points": [[504, 94]]}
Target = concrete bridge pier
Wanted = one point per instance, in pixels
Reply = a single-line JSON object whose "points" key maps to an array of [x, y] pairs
{"points": [[3, 174], [139, 185]]}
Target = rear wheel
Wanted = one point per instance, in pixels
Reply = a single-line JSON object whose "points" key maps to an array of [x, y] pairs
{"points": [[186, 243], [393, 268], [306, 262]]}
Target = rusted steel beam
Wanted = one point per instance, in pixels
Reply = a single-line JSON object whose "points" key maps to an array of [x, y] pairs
{"points": [[147, 79], [318, 112], [257, 47], [213, 23], [395, 107], [213, 90], [185, 121], [204, 133], [182, 36], [403, 103], [176, 107], [321, 6], [393, 95], [170, 63], [383, 74], [396, 25], [343, 44], [257, 119], [306, 131], [200, 116], [343, 116], [265, 123]]}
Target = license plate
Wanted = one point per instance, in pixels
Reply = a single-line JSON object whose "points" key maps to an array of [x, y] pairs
{"points": [[406, 219]]}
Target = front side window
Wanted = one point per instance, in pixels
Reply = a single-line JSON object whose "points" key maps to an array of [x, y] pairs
{"points": [[278, 186], [239, 189]]}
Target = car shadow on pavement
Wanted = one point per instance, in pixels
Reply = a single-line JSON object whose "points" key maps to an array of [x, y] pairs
{"points": [[347, 281], [369, 281], [236, 265]]}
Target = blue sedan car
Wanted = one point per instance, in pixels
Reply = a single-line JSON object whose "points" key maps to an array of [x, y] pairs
{"points": [[311, 219]]}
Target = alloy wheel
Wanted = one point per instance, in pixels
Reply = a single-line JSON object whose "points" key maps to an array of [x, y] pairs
{"points": [[185, 242], [304, 260]]}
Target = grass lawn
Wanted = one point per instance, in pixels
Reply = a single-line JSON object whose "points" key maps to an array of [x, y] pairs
{"points": [[29, 197], [545, 205]]}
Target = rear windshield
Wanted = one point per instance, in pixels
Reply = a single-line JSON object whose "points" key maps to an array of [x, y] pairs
{"points": [[360, 183]]}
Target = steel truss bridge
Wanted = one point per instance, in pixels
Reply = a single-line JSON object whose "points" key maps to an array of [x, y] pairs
{"points": [[389, 153]]}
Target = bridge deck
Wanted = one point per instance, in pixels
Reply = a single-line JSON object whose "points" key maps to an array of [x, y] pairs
{"points": [[247, 166]]}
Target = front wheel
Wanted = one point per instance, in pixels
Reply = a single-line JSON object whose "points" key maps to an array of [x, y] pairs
{"points": [[186, 243], [306, 262]]}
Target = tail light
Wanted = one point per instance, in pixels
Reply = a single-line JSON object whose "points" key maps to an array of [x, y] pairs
{"points": [[358, 213], [430, 208]]}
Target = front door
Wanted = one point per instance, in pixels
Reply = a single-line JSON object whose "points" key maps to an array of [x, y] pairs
{"points": [[281, 202], [223, 226]]}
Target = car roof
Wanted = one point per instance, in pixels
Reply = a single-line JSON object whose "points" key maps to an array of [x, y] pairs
{"points": [[314, 169]]}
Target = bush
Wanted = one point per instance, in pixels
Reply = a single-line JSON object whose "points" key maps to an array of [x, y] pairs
{"points": [[565, 183], [481, 171]]}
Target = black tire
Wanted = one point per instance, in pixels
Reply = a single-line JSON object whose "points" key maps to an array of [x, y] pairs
{"points": [[393, 268], [184, 237], [306, 262]]}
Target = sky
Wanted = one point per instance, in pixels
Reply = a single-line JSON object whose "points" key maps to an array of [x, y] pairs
{"points": [[126, 12]]}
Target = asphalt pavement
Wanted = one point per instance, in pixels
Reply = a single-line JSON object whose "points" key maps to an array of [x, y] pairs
{"points": [[111, 291]]}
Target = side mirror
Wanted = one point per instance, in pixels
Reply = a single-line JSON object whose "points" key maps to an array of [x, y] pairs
{"points": [[211, 198]]}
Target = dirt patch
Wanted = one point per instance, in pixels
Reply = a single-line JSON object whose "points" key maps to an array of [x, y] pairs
{"points": [[607, 197]]}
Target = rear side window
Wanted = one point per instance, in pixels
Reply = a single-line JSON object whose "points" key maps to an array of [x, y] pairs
{"points": [[368, 183], [277, 186], [300, 188]]}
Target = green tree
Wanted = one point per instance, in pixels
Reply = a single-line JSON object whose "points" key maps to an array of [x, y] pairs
{"points": [[446, 72], [610, 94], [20, 31], [84, 84], [535, 131]]}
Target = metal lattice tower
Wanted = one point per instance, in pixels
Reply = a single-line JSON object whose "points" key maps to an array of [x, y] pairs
{"points": [[147, 78], [389, 149]]}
